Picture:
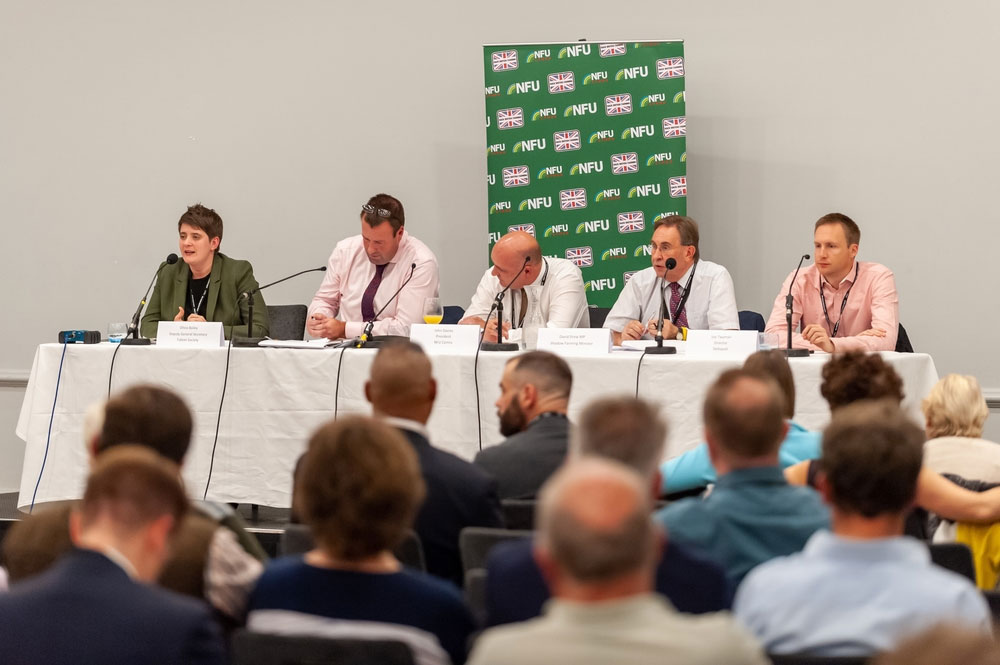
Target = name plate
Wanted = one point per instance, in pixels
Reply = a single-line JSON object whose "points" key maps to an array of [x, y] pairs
{"points": [[190, 333], [438, 339], [575, 341], [729, 343]]}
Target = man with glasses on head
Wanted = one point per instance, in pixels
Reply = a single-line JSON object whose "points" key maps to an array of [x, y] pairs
{"points": [[366, 270], [692, 294]]}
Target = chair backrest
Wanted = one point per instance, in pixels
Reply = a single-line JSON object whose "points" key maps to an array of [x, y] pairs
{"points": [[793, 659], [993, 600], [475, 543], [750, 320], [475, 593], [298, 539], [518, 513], [452, 314], [956, 557], [287, 321], [903, 341], [251, 648], [598, 315]]}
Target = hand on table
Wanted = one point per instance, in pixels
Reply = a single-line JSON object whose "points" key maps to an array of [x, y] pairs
{"points": [[669, 330], [490, 331], [321, 325], [817, 335]]}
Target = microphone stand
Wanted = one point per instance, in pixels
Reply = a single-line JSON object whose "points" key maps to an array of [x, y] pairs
{"points": [[132, 335], [659, 349], [789, 302], [366, 336], [500, 345], [250, 340]]}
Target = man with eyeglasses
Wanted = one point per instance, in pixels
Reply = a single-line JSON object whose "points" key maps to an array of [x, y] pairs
{"points": [[692, 294], [364, 271]]}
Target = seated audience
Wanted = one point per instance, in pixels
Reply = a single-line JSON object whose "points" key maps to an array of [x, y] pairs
{"points": [[534, 396], [753, 514], [597, 547], [97, 605], [359, 488], [955, 412], [631, 432], [945, 644], [864, 586], [401, 390], [694, 469]]}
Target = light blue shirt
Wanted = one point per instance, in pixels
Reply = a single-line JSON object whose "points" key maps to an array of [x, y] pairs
{"points": [[842, 597], [694, 469]]}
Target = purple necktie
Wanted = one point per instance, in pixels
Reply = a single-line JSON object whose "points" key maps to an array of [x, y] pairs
{"points": [[368, 299], [680, 318]]}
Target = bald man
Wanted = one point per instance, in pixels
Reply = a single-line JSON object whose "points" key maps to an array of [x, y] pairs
{"points": [[401, 389], [558, 282]]}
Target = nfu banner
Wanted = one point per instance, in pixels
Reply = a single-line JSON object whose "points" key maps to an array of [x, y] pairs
{"points": [[585, 150]]}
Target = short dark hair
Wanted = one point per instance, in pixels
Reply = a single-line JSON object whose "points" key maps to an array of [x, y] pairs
{"points": [[686, 227], [624, 429], [359, 487], [203, 218], [872, 455], [150, 416], [774, 364], [391, 204], [852, 376], [550, 373], [745, 428], [851, 230]]}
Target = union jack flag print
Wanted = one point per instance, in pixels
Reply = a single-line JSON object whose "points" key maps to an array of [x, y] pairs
{"points": [[571, 199], [562, 82], [628, 275], [515, 176], [618, 104], [580, 256], [678, 186], [626, 162], [527, 228], [504, 60], [674, 127], [511, 118], [568, 140], [670, 68], [609, 50], [630, 222]]}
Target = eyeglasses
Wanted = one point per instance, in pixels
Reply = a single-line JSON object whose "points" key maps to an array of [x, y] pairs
{"points": [[372, 210]]}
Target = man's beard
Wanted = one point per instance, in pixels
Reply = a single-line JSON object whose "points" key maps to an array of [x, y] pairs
{"points": [[512, 419]]}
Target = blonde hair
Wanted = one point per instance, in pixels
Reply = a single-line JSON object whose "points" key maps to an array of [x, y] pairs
{"points": [[955, 407]]}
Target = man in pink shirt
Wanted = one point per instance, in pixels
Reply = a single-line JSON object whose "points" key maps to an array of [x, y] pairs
{"points": [[366, 270], [840, 304]]}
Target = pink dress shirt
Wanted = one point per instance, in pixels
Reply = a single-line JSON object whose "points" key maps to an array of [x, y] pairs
{"points": [[347, 276], [873, 303]]}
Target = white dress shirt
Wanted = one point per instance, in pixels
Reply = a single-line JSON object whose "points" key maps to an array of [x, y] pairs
{"points": [[711, 305], [562, 301]]}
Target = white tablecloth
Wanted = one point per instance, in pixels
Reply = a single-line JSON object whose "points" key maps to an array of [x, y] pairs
{"points": [[275, 398]]}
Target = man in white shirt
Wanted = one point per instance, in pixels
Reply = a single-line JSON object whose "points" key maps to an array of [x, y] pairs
{"points": [[693, 294], [518, 262]]}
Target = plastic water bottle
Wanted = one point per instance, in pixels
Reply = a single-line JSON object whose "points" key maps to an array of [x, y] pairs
{"points": [[532, 319]]}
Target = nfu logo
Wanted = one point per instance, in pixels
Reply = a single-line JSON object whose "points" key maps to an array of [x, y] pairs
{"points": [[638, 132], [541, 55], [660, 158], [528, 145], [536, 203], [596, 77], [522, 87], [492, 91], [629, 73], [639, 191], [550, 172], [494, 237], [545, 114], [497, 149], [615, 253], [612, 194], [500, 207], [587, 167], [602, 136], [580, 109], [606, 284], [557, 230], [491, 179], [643, 250], [656, 99], [574, 51], [594, 226]]}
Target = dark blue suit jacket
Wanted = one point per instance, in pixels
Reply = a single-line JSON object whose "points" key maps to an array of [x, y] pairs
{"points": [[85, 610], [516, 590]]}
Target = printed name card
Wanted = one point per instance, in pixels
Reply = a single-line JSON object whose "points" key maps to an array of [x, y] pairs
{"points": [[190, 333], [729, 343], [438, 339], [575, 341]]}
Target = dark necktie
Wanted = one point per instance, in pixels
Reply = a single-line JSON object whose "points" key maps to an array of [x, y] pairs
{"points": [[680, 318], [368, 299]]}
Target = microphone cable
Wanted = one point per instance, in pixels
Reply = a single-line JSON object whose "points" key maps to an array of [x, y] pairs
{"points": [[218, 419], [48, 438], [336, 387], [111, 372]]}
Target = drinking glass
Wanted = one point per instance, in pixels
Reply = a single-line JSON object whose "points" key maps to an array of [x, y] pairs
{"points": [[433, 311]]}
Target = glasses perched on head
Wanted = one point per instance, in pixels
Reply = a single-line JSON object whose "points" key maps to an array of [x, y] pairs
{"points": [[372, 210]]}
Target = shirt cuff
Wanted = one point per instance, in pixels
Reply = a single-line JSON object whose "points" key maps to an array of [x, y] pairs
{"points": [[353, 329]]}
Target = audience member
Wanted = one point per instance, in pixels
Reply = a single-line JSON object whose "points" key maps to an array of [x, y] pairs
{"points": [[955, 412], [753, 514], [534, 396], [631, 432], [597, 547], [359, 488], [945, 644], [863, 587], [401, 390], [95, 606]]}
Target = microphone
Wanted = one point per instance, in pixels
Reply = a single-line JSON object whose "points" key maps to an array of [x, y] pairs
{"points": [[789, 300], [132, 335], [250, 340], [659, 349], [500, 345], [367, 334]]}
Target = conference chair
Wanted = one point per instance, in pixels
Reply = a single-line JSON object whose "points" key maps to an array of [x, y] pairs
{"points": [[993, 600], [518, 513], [794, 659], [475, 593], [750, 320], [903, 341], [287, 321], [956, 557], [598, 315], [475, 543], [251, 648], [452, 314], [298, 539]]}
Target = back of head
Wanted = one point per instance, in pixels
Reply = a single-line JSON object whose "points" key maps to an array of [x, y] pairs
{"points": [[400, 379], [149, 416], [852, 376], [549, 373], [384, 208], [203, 218], [131, 487], [624, 429], [594, 521], [872, 454], [774, 364], [955, 407], [359, 487], [744, 414]]}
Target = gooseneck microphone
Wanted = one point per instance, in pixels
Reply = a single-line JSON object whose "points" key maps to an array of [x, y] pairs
{"points": [[789, 301], [500, 345], [250, 340], [132, 335], [659, 349], [370, 324]]}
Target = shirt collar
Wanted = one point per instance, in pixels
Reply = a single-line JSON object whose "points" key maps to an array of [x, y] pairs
{"points": [[119, 560], [829, 545], [407, 424], [849, 277], [682, 280], [754, 476]]}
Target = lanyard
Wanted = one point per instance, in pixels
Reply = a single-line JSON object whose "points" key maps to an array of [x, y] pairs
{"points": [[684, 297], [197, 307], [519, 323], [843, 303]]}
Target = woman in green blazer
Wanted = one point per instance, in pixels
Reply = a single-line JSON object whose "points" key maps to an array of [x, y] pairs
{"points": [[205, 285]]}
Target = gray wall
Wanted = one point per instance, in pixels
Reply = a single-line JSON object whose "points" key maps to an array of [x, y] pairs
{"points": [[285, 116]]}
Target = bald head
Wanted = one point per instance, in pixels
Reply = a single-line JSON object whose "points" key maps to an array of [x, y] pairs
{"points": [[744, 416], [510, 253], [400, 383]]}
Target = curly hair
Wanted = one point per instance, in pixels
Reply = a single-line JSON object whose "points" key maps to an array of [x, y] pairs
{"points": [[852, 376]]}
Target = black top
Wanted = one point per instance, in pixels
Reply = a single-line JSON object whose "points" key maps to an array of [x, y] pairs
{"points": [[197, 296]]}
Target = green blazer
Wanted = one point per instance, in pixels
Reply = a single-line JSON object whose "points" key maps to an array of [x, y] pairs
{"points": [[230, 278]]}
